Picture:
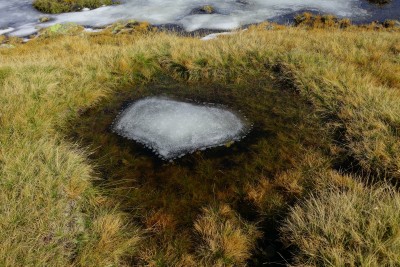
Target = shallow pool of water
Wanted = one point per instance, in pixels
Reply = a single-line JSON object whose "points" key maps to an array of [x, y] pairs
{"points": [[154, 191]]}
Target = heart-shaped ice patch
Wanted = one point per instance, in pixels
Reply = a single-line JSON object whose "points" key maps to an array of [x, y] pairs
{"points": [[173, 128]]}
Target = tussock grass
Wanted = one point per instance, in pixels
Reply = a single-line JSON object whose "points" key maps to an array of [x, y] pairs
{"points": [[320, 21], [226, 239], [52, 215], [307, 174], [346, 226], [43, 222], [61, 6], [222, 238]]}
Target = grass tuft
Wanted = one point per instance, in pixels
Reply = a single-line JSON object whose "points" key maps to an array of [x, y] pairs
{"points": [[351, 226], [307, 19], [225, 238]]}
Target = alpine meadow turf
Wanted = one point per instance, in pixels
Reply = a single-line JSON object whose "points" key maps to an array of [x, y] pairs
{"points": [[53, 211]]}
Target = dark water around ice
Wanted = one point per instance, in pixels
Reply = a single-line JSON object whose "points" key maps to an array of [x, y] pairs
{"points": [[148, 187]]}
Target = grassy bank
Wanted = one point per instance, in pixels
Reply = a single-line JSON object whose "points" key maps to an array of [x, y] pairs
{"points": [[62, 6], [341, 89]]}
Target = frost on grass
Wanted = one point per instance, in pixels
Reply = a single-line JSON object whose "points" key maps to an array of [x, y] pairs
{"points": [[172, 128]]}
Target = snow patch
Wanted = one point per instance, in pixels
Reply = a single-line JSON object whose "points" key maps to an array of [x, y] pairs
{"points": [[4, 31], [215, 35], [230, 14]]}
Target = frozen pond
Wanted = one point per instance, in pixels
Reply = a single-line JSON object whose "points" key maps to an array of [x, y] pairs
{"points": [[19, 18], [172, 128]]}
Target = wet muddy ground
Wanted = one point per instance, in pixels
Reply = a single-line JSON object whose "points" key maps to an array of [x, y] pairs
{"points": [[151, 189]]}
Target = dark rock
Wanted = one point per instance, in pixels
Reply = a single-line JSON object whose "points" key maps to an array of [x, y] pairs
{"points": [[243, 2], [391, 24], [207, 9], [380, 2]]}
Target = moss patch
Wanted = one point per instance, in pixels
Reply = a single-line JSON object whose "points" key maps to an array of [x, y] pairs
{"points": [[62, 6]]}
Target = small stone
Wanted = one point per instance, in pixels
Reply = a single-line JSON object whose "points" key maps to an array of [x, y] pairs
{"points": [[243, 2], [207, 9], [44, 19]]}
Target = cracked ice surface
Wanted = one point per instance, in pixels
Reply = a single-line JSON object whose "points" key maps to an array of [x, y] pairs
{"points": [[20, 15], [172, 128]]}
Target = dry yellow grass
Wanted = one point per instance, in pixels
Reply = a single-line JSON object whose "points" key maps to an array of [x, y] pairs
{"points": [[346, 226], [225, 239], [50, 212], [222, 238]]}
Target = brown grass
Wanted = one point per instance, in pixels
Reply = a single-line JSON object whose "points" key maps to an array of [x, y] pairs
{"points": [[350, 226], [51, 213], [225, 239]]}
